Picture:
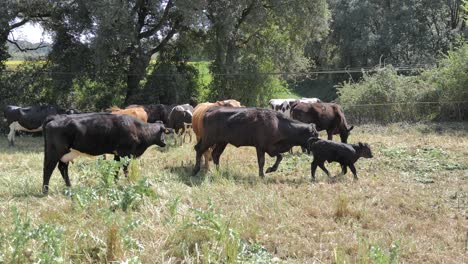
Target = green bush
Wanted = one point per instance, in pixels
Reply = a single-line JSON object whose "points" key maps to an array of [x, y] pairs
{"points": [[386, 96]]}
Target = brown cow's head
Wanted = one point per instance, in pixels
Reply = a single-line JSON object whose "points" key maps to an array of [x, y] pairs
{"points": [[344, 134]]}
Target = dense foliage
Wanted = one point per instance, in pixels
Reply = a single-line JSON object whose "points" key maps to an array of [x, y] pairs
{"points": [[116, 53], [435, 94]]}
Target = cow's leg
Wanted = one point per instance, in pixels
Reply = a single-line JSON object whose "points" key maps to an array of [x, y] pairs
{"points": [[200, 149], [261, 162], [273, 168], [11, 135], [330, 134], [313, 168], [49, 166], [116, 177], [216, 154], [207, 156], [63, 168], [353, 170]]}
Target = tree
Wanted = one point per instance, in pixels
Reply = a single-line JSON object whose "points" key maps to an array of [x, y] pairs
{"points": [[14, 14], [250, 37], [396, 32], [129, 33]]}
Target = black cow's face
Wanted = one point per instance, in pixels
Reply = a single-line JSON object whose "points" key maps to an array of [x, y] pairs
{"points": [[161, 136], [365, 150]]}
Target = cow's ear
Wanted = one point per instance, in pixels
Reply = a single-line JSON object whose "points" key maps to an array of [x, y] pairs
{"points": [[360, 144], [351, 128]]}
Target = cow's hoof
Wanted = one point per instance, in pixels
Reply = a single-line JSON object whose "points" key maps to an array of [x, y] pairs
{"points": [[270, 170]]}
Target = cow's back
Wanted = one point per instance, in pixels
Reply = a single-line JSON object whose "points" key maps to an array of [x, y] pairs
{"points": [[94, 133], [241, 126], [323, 115], [32, 117]]}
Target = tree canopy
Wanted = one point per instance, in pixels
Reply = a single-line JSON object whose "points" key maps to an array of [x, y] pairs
{"points": [[123, 52]]}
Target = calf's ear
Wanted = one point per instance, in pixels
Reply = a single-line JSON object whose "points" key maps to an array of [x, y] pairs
{"points": [[351, 128], [312, 140], [167, 130]]}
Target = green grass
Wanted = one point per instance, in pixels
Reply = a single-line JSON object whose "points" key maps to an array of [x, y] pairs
{"points": [[409, 205]]}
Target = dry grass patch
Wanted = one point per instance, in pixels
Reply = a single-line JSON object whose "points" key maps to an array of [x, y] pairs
{"points": [[409, 205]]}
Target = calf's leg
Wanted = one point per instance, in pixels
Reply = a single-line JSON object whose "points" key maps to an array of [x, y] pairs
{"points": [[330, 134], [344, 169], [353, 170], [273, 168], [322, 166], [313, 168]]}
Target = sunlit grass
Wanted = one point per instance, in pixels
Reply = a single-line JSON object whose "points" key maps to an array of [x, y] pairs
{"points": [[409, 203]]}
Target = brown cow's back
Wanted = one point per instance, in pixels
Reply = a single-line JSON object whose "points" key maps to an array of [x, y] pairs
{"points": [[136, 112], [200, 110], [326, 116]]}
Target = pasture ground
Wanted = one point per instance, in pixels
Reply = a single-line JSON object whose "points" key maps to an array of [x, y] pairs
{"points": [[409, 205]]}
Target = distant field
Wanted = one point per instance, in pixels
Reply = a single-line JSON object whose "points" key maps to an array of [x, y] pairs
{"points": [[409, 205]]}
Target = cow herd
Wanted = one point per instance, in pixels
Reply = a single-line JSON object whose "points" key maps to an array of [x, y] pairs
{"points": [[129, 132]]}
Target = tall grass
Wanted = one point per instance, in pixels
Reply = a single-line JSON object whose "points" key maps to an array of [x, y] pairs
{"points": [[408, 205]]}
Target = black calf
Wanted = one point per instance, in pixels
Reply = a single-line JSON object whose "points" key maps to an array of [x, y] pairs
{"points": [[345, 154]]}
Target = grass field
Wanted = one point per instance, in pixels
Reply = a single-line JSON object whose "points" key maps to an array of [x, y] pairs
{"points": [[409, 206]]}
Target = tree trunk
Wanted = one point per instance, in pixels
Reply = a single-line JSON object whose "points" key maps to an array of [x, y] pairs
{"points": [[138, 62]]}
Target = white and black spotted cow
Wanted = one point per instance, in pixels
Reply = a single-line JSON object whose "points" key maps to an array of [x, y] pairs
{"points": [[29, 118], [282, 105], [180, 119]]}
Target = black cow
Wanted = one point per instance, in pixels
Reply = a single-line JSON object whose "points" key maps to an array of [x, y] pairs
{"points": [[65, 136], [156, 112], [345, 154], [180, 117], [266, 130], [29, 118]]}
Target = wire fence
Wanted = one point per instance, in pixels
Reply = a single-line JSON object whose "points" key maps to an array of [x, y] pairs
{"points": [[385, 113]]}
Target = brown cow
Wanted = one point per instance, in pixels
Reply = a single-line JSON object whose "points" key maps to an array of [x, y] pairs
{"points": [[197, 121], [136, 112], [326, 116]]}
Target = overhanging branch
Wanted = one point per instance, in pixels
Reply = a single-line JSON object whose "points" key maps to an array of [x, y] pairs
{"points": [[14, 42]]}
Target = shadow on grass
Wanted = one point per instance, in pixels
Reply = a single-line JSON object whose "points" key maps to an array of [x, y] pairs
{"points": [[184, 175]]}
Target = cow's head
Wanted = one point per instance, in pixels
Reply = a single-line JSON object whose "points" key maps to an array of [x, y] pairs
{"points": [[344, 134], [161, 132], [312, 137]]}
